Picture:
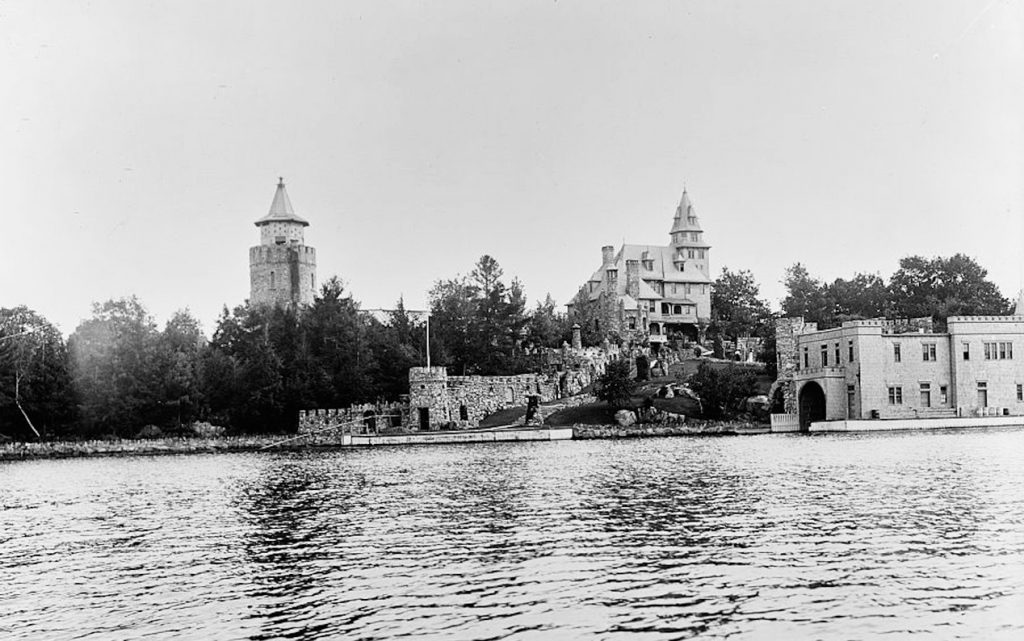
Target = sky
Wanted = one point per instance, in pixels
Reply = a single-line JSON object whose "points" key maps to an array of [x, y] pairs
{"points": [[139, 141]]}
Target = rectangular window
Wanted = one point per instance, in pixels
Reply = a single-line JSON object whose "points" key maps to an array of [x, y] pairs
{"points": [[806, 363], [1005, 351], [700, 253], [689, 253], [895, 395], [677, 309], [990, 351], [824, 355], [665, 309], [837, 353], [1020, 392], [688, 288], [943, 394], [850, 353], [982, 394], [896, 356], [928, 351], [926, 394], [967, 351]]}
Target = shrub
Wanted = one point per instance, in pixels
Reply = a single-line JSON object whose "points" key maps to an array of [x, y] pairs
{"points": [[615, 386], [722, 390]]}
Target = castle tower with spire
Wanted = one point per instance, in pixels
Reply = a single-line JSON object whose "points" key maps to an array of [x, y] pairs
{"points": [[649, 293], [282, 268]]}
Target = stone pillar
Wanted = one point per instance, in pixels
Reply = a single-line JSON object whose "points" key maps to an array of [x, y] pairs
{"points": [[577, 337], [786, 332], [633, 279]]}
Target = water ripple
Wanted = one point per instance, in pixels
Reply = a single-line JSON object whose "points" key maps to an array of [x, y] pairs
{"points": [[852, 536]]}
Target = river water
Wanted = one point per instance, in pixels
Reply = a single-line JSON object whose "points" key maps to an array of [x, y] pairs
{"points": [[911, 535]]}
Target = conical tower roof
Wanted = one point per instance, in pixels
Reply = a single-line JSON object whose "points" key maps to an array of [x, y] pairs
{"points": [[281, 209], [686, 217]]}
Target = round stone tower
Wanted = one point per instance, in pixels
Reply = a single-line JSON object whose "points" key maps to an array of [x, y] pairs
{"points": [[282, 268]]}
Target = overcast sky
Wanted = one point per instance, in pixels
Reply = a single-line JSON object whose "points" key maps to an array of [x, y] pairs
{"points": [[139, 141]]}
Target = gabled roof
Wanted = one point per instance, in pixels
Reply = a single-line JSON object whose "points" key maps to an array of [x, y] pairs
{"points": [[281, 209]]}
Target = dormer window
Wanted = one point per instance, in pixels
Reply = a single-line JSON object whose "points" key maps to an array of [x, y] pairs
{"points": [[613, 274], [648, 264]]}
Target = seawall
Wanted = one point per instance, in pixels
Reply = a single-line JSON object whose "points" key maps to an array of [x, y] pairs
{"points": [[147, 447]]}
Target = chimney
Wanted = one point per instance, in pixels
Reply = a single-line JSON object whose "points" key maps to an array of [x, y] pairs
{"points": [[607, 255], [633, 278]]}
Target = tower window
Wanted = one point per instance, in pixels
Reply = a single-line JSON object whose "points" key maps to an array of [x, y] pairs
{"points": [[279, 240], [272, 279]]}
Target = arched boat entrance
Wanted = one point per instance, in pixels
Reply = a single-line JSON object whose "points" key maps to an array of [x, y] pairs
{"points": [[812, 405]]}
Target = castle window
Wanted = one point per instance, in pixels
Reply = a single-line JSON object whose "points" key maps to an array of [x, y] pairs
{"points": [[837, 353], [943, 394], [665, 309], [649, 265], [850, 359], [896, 395], [272, 279], [689, 253], [677, 309], [1020, 392], [928, 351], [896, 355], [463, 413], [967, 351], [926, 394], [279, 240], [700, 253], [806, 362], [312, 281], [824, 355]]}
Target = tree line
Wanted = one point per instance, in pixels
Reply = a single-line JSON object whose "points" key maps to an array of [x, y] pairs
{"points": [[936, 288], [119, 372]]}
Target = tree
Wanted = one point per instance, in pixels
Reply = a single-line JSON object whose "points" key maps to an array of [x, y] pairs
{"points": [[616, 385], [736, 308], [179, 347], [807, 297], [116, 369], [35, 387], [865, 296], [548, 328], [944, 287], [721, 390]]}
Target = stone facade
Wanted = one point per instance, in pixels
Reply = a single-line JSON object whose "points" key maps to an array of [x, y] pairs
{"points": [[282, 268], [437, 400], [644, 293], [881, 369]]}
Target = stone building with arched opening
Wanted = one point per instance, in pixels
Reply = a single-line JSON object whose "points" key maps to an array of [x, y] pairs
{"points": [[883, 369]]}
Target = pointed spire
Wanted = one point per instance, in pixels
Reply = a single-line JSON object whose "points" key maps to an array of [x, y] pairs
{"points": [[1019, 309], [281, 208], [686, 217]]}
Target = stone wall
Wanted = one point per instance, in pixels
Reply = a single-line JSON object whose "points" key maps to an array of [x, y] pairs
{"points": [[357, 419], [586, 432], [786, 332], [140, 447], [282, 274]]}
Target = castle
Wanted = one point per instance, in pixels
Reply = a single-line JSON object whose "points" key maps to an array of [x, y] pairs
{"points": [[282, 268], [879, 369], [651, 292]]}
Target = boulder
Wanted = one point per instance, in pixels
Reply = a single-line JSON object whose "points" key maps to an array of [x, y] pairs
{"points": [[625, 418]]}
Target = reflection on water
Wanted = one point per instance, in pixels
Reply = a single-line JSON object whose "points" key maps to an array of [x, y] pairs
{"points": [[850, 536]]}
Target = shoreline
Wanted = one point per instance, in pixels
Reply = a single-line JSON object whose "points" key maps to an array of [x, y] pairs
{"points": [[38, 450]]}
